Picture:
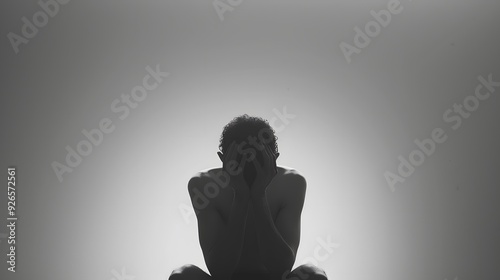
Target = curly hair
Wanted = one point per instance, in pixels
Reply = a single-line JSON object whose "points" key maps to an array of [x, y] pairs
{"points": [[241, 127]]}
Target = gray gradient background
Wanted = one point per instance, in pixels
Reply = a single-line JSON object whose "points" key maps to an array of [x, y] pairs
{"points": [[120, 207]]}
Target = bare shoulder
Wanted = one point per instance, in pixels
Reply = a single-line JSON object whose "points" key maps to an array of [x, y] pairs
{"points": [[206, 192], [291, 175], [201, 178], [290, 182], [209, 183]]}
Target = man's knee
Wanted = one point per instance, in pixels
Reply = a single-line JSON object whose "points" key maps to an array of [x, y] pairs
{"points": [[308, 272], [188, 272]]}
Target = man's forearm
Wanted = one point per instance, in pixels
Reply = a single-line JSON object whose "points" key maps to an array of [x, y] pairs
{"points": [[226, 251], [275, 253]]}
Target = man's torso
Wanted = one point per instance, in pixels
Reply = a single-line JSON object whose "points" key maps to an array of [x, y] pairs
{"points": [[276, 194]]}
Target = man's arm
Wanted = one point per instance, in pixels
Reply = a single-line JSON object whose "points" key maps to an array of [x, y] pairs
{"points": [[279, 241], [221, 242]]}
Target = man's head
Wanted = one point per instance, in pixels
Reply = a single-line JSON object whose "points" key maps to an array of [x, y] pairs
{"points": [[244, 128], [249, 134]]}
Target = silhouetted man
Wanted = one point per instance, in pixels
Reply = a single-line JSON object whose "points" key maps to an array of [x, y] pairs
{"points": [[249, 210]]}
